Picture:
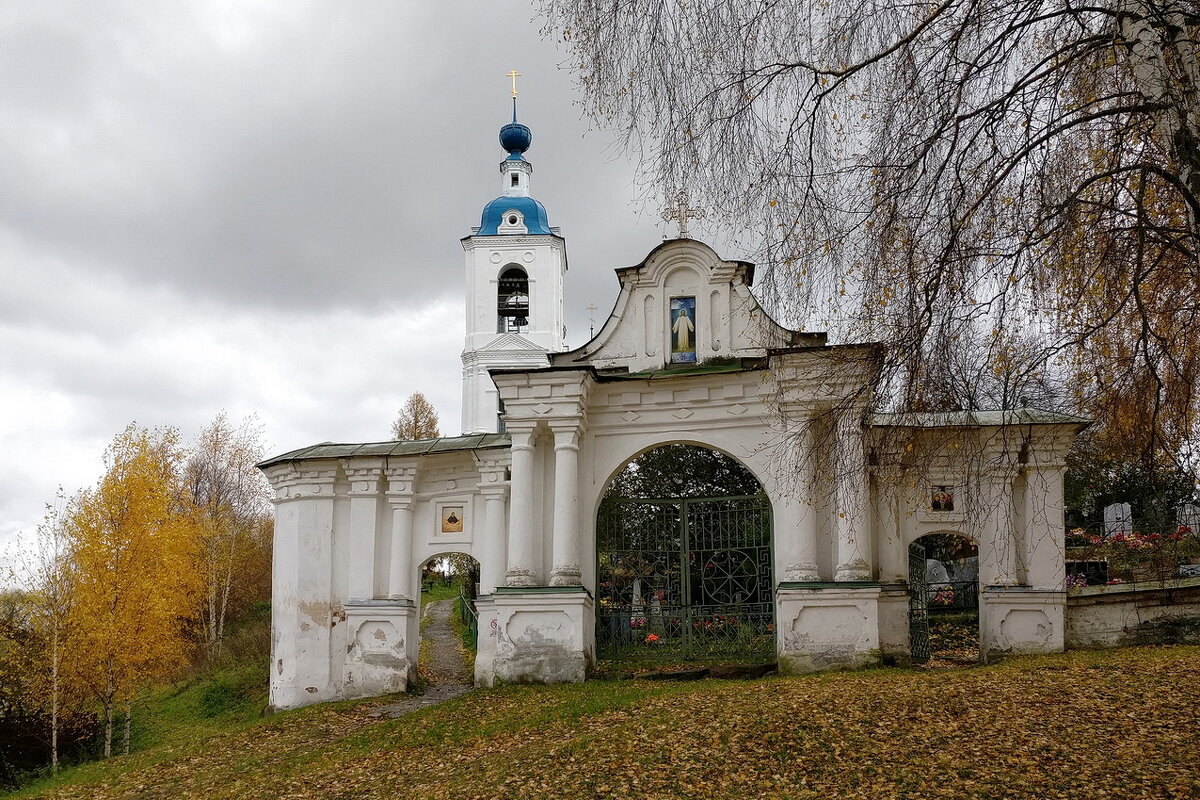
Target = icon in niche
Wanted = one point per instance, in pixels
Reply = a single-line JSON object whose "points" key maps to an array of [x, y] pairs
{"points": [[452, 519], [942, 498]]}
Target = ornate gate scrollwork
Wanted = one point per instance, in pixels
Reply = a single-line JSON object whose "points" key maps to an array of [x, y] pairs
{"points": [[918, 605], [685, 578]]}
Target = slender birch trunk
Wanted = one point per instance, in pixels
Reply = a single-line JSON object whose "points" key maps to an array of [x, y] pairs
{"points": [[54, 678], [128, 717]]}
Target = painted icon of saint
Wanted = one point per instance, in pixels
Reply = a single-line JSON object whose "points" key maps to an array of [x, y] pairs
{"points": [[683, 328]]}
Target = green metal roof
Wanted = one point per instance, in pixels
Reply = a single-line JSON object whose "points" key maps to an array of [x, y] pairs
{"points": [[419, 447]]}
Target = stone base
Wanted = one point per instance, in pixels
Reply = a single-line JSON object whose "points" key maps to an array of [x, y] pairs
{"points": [[485, 642], [1019, 619], [382, 640], [826, 626], [894, 643], [542, 635]]}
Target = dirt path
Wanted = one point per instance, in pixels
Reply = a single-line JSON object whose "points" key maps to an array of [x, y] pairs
{"points": [[442, 661], [443, 667]]}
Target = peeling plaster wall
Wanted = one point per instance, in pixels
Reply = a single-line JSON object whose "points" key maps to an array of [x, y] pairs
{"points": [[1113, 616]]}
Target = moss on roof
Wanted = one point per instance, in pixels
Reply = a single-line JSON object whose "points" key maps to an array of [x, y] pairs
{"points": [[447, 444]]}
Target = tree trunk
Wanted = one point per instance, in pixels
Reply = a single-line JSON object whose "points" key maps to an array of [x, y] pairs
{"points": [[108, 729], [211, 628], [108, 716], [228, 583], [128, 715], [1164, 64], [54, 703]]}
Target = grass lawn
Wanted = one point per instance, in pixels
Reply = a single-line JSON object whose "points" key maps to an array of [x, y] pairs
{"points": [[1112, 724]]}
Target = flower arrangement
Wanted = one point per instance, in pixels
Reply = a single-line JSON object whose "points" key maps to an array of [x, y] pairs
{"points": [[653, 639], [1137, 556], [1076, 581], [944, 596]]}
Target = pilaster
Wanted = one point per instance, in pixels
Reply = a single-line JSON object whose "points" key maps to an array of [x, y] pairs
{"points": [[851, 498], [364, 476], [889, 538], [302, 606], [401, 571], [796, 518], [1044, 547], [494, 487], [523, 539], [566, 571], [997, 545]]}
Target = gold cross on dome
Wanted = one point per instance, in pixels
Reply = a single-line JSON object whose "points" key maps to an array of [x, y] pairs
{"points": [[680, 213], [514, 75]]}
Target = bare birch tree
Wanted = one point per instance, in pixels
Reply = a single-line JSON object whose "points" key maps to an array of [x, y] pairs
{"points": [[231, 497], [49, 571], [1022, 177]]}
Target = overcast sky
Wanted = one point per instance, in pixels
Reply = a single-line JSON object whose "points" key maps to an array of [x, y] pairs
{"points": [[257, 207]]}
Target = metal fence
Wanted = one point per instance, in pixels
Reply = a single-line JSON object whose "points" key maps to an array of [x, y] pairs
{"points": [[952, 597], [470, 618]]}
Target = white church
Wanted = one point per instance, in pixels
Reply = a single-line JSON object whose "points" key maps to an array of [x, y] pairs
{"points": [[787, 522]]}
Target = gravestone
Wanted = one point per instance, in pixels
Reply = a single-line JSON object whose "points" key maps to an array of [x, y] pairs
{"points": [[1118, 519], [1188, 514]]}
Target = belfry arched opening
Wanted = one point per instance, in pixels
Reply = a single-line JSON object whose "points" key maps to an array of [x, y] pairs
{"points": [[684, 563]]}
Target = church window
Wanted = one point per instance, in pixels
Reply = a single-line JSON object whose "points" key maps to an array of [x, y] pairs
{"points": [[512, 301], [516, 181], [512, 219]]}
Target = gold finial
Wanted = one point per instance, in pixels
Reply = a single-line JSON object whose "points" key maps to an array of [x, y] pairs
{"points": [[514, 75]]}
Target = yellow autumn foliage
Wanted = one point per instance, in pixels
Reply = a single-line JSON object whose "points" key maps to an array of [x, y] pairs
{"points": [[134, 547]]}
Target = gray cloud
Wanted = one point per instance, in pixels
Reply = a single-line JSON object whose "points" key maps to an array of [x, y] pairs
{"points": [[257, 207]]}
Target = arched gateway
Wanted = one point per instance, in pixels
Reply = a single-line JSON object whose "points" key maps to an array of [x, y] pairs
{"points": [[818, 576], [684, 561]]}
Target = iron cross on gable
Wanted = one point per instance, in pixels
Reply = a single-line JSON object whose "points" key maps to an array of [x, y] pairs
{"points": [[680, 213]]}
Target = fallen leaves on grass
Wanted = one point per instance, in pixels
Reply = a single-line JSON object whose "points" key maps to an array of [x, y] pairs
{"points": [[1120, 724]]}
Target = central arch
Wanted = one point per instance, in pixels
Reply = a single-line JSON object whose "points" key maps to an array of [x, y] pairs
{"points": [[684, 559]]}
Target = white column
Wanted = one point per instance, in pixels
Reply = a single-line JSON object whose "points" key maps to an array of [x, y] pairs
{"points": [[798, 533], [522, 541], [301, 590], [494, 488], [401, 481], [997, 548], [851, 499], [1044, 546], [566, 570], [893, 554], [400, 570], [364, 505]]}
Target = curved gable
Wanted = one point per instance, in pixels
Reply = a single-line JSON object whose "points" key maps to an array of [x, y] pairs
{"points": [[683, 305]]}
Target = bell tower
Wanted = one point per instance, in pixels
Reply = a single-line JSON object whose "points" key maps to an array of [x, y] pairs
{"points": [[516, 264]]}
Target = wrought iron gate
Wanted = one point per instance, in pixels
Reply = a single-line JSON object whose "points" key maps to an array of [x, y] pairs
{"points": [[681, 579], [918, 605]]}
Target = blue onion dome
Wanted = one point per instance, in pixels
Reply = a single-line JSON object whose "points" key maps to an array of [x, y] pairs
{"points": [[515, 138], [502, 209]]}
